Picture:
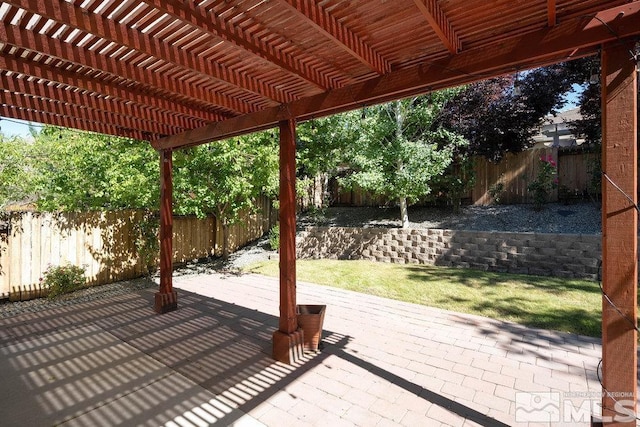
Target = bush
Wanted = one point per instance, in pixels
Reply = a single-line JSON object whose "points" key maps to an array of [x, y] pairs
{"points": [[495, 191], [545, 182], [63, 279], [274, 237]]}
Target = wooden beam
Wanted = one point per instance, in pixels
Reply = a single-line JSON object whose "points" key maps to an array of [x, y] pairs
{"points": [[288, 339], [579, 37], [619, 232], [20, 92], [152, 81], [335, 30], [288, 319], [48, 118], [80, 78], [166, 299], [72, 112], [551, 13], [440, 24], [218, 26], [91, 23]]}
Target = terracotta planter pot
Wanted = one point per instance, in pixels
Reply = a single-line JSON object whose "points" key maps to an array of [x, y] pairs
{"points": [[310, 320]]}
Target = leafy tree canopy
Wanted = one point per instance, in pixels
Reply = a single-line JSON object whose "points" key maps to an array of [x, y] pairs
{"points": [[496, 119], [15, 170], [79, 171]]}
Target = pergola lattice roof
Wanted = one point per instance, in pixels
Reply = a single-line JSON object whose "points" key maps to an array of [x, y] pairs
{"points": [[154, 69]]}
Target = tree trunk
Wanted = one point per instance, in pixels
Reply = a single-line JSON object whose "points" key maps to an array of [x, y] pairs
{"points": [[404, 213], [225, 240]]}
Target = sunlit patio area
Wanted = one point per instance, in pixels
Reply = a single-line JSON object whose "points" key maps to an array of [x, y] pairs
{"points": [[115, 362]]}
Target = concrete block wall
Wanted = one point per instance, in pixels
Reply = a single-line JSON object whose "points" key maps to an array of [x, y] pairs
{"points": [[560, 255]]}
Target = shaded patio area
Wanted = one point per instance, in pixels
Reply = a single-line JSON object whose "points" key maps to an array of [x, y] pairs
{"points": [[115, 362]]}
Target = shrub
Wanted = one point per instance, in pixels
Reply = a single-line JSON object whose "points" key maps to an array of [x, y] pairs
{"points": [[274, 237], [63, 279], [545, 182], [495, 191], [146, 241]]}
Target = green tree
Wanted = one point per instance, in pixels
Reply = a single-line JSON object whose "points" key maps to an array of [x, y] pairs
{"points": [[225, 177], [80, 171], [320, 150], [15, 170], [395, 151]]}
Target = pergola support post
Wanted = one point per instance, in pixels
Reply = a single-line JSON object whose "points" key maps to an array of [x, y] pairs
{"points": [[288, 339], [619, 236], [166, 299]]}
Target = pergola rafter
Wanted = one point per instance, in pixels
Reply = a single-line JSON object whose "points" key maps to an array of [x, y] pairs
{"points": [[440, 24], [335, 30], [156, 50], [551, 12], [85, 81], [73, 111], [218, 27], [188, 93], [97, 108], [50, 118]]}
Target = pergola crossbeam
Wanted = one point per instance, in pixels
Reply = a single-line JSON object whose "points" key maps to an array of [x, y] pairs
{"points": [[219, 27], [440, 24], [344, 38]]}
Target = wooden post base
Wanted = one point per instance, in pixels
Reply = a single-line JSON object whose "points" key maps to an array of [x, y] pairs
{"points": [[288, 348], [166, 302]]}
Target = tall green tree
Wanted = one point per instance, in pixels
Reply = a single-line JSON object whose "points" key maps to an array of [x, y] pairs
{"points": [[225, 177], [15, 170], [320, 148], [396, 152], [80, 171]]}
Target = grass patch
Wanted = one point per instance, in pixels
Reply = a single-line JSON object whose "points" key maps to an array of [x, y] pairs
{"points": [[568, 305]]}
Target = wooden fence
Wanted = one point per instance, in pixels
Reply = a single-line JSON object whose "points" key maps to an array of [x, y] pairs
{"points": [[104, 243], [514, 173]]}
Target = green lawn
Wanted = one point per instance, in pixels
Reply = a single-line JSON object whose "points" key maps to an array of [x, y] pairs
{"points": [[545, 302]]}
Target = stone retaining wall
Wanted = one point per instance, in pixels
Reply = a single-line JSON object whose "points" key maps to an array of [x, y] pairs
{"points": [[561, 255]]}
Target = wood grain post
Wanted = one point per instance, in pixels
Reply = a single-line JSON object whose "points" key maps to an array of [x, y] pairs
{"points": [[287, 340], [619, 234], [166, 299]]}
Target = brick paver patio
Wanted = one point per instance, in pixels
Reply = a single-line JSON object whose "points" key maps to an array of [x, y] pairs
{"points": [[383, 363]]}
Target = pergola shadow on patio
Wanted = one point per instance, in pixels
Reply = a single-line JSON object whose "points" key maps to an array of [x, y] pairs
{"points": [[108, 362]]}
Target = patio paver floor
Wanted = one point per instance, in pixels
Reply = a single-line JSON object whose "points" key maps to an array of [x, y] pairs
{"points": [[383, 362]]}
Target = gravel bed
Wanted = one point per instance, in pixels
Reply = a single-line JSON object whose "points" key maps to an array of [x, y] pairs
{"points": [[579, 218], [8, 309]]}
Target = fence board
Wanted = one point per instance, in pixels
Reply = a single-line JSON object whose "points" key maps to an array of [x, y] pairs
{"points": [[104, 243]]}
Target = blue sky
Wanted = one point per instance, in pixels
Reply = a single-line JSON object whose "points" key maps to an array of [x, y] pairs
{"points": [[12, 127]]}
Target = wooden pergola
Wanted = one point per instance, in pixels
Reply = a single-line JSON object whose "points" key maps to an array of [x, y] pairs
{"points": [[179, 73]]}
